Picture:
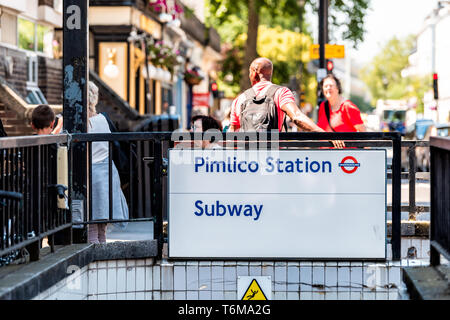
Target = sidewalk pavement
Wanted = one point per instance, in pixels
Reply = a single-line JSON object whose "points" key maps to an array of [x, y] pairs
{"points": [[134, 231]]}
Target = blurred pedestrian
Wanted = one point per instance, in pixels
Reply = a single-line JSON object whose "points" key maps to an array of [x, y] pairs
{"points": [[100, 174], [264, 106], [337, 114], [201, 123]]}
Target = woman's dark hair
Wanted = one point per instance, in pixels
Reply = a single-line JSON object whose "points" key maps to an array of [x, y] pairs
{"points": [[332, 76], [208, 122]]}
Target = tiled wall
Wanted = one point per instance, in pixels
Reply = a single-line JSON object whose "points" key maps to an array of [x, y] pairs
{"points": [[205, 280]]}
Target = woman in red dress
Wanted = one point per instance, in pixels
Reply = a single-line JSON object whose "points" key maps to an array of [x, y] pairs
{"points": [[343, 115]]}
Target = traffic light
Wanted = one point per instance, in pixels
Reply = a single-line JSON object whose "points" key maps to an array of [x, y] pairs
{"points": [[435, 86], [214, 89], [302, 99], [330, 66]]}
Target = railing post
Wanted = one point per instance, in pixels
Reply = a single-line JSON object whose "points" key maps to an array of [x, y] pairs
{"points": [[75, 89], [157, 196], [396, 198], [412, 181]]}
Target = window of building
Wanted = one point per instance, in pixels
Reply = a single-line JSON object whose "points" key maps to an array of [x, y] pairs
{"points": [[35, 37], [27, 34]]}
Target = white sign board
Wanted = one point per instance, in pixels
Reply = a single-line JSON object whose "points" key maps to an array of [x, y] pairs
{"points": [[312, 204]]}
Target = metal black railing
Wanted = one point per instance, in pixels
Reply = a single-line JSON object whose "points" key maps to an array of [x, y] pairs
{"points": [[440, 199], [144, 180], [28, 167]]}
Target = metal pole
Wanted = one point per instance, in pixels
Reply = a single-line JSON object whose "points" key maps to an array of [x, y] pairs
{"points": [[75, 91], [323, 38]]}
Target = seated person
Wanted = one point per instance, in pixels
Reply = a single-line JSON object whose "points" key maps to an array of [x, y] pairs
{"points": [[201, 123], [43, 120]]}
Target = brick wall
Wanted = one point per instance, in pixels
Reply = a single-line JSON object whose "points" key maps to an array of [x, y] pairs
{"points": [[50, 79]]}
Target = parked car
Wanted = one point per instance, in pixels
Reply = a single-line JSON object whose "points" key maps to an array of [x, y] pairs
{"points": [[423, 153]]}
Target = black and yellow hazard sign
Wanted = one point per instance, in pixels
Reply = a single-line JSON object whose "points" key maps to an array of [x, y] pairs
{"points": [[254, 292]]}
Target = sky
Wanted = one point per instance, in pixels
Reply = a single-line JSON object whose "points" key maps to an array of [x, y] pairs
{"points": [[387, 18]]}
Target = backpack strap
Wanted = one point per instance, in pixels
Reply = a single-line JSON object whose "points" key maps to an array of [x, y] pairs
{"points": [[327, 113]]}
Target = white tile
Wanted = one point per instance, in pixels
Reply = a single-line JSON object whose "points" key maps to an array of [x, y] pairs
{"points": [[355, 295], [149, 295], [293, 275], [112, 263], [131, 279], [204, 295], [131, 296], [331, 296], [179, 295], [112, 296], [279, 295], [305, 295], [101, 264], [121, 263], [217, 278], [331, 278], [384, 295], [230, 278], [92, 265], [293, 296], [92, 297], [167, 295], [217, 295], [426, 249], [394, 276], [356, 277], [343, 295], [242, 270], [148, 278], [318, 278], [389, 251], [405, 244], [192, 277], [192, 295], [131, 262], [156, 277], [140, 278], [305, 278], [255, 270], [268, 269], [393, 295], [280, 277], [368, 295], [230, 295], [167, 278], [140, 295], [140, 262], [344, 278], [179, 277], [92, 281], [102, 281], [318, 296], [204, 278], [149, 262], [121, 296], [121, 280], [102, 297]]}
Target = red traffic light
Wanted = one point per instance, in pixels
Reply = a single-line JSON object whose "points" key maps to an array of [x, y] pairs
{"points": [[435, 76], [330, 65], [214, 86]]}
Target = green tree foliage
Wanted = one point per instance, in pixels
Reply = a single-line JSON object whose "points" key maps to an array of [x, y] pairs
{"points": [[383, 75], [234, 17]]}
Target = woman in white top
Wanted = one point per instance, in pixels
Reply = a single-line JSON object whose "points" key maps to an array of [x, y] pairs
{"points": [[100, 173]]}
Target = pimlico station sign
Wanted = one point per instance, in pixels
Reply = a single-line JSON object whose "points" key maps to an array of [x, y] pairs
{"points": [[277, 204]]}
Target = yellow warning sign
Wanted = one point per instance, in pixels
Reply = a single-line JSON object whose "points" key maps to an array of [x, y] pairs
{"points": [[254, 292], [331, 51]]}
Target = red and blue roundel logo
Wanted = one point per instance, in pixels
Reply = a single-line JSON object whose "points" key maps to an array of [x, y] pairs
{"points": [[349, 164]]}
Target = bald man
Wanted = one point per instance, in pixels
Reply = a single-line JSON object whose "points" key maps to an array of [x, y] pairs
{"points": [[245, 115]]}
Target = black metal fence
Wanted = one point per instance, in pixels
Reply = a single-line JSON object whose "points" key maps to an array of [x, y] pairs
{"points": [[143, 179], [28, 168], [440, 199]]}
